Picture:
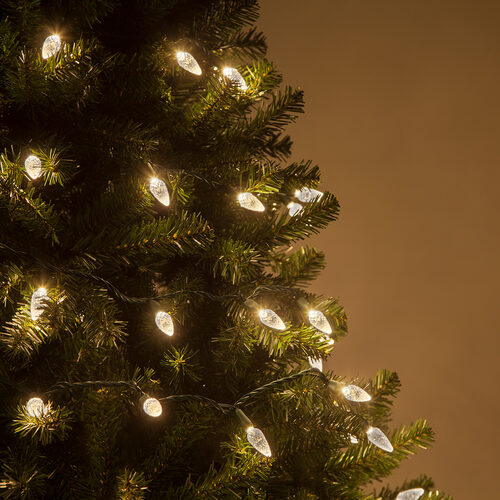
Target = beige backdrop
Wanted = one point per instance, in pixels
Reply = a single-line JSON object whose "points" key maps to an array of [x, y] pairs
{"points": [[402, 114]]}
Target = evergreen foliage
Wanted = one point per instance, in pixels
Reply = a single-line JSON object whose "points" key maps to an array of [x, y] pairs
{"points": [[106, 113]]}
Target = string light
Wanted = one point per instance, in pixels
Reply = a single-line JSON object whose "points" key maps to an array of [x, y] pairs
{"points": [[271, 319], [33, 166], [159, 190], [164, 323], [250, 202], [235, 76], [353, 439], [307, 195], [35, 407], [188, 62], [257, 439], [355, 393], [378, 438], [294, 208], [319, 321], [316, 363], [38, 303], [152, 407], [51, 46], [413, 494]]}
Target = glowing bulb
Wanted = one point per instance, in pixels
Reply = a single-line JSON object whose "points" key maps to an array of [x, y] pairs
{"points": [[307, 194], [35, 407], [257, 439], [316, 363], [152, 407], [164, 323], [159, 190], [38, 303], [413, 494], [355, 393], [353, 439], [250, 202], [33, 166], [378, 438], [235, 76], [51, 46], [271, 319], [188, 62], [294, 208], [319, 321]]}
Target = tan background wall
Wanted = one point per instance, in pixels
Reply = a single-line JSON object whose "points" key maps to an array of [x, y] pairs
{"points": [[402, 113]]}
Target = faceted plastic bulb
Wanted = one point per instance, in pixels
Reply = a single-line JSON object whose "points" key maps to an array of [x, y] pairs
{"points": [[188, 62], [250, 202], [33, 166], [51, 46], [307, 195], [35, 407], [152, 407], [271, 319], [355, 393], [294, 208], [319, 321], [159, 190], [38, 303], [413, 494], [378, 438], [164, 323], [316, 363], [257, 439], [235, 76]]}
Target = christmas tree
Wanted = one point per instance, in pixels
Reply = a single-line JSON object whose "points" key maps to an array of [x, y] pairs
{"points": [[157, 338]]}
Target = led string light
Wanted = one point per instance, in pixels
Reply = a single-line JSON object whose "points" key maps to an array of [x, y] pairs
{"points": [[153, 406]]}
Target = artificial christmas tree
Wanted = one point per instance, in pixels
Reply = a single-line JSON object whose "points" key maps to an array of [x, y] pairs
{"points": [[157, 340]]}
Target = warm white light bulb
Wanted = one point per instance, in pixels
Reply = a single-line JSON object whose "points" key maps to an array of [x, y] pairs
{"points": [[271, 319], [250, 202], [164, 323], [188, 62], [307, 195], [319, 321], [35, 407], [355, 393], [33, 166], [378, 438], [413, 494], [353, 439], [235, 76], [152, 407], [51, 46], [257, 439], [328, 339], [294, 208], [159, 190], [38, 303], [316, 363]]}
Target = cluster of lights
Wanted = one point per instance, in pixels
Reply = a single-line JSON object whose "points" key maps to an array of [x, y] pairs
{"points": [[152, 406], [186, 61]]}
